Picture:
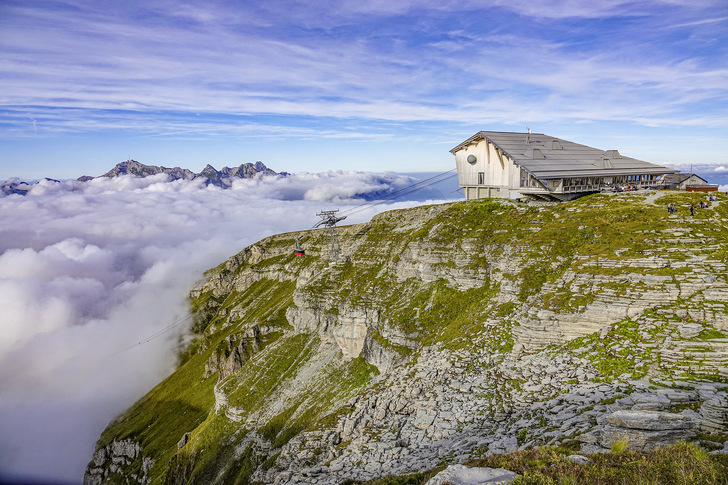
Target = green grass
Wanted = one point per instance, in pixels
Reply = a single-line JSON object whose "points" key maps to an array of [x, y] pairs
{"points": [[211, 448], [252, 389], [712, 333], [252, 386], [158, 420], [565, 300], [681, 463], [613, 354], [549, 241]]}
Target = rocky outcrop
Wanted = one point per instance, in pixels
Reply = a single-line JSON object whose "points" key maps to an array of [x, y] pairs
{"points": [[646, 430], [450, 332], [465, 475], [119, 462], [713, 411], [232, 353], [456, 405]]}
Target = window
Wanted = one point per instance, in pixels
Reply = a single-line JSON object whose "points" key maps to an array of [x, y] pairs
{"points": [[481, 178]]}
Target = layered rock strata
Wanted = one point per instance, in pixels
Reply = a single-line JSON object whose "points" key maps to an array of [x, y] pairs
{"points": [[444, 333]]}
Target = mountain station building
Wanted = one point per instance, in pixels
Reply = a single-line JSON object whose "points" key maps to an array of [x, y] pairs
{"points": [[689, 182], [506, 165]]}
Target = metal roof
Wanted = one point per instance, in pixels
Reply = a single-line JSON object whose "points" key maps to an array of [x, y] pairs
{"points": [[548, 157], [680, 177]]}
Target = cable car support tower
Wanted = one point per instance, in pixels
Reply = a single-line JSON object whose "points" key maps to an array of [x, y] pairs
{"points": [[329, 220]]}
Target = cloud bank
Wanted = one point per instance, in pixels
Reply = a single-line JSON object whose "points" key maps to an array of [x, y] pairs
{"points": [[89, 270]]}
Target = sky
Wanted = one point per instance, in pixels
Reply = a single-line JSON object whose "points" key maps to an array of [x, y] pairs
{"points": [[88, 270], [354, 84]]}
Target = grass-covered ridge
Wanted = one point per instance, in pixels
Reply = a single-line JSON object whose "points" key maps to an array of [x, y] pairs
{"points": [[283, 343]]}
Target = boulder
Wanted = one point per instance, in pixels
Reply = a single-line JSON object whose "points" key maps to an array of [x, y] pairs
{"points": [[649, 420], [578, 459], [646, 430], [465, 475]]}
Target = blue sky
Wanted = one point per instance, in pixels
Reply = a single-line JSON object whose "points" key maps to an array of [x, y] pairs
{"points": [[353, 85]]}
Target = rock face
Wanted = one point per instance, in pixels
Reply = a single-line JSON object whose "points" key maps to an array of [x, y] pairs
{"points": [[444, 333], [209, 175], [119, 461], [643, 430], [464, 475], [221, 178], [132, 167]]}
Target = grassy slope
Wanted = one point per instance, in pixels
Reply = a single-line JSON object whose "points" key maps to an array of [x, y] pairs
{"points": [[548, 238], [680, 463]]}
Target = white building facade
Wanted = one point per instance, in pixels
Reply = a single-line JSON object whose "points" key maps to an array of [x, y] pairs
{"points": [[518, 165]]}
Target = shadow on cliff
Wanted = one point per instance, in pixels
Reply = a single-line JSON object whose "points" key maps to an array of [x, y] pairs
{"points": [[150, 430], [172, 419]]}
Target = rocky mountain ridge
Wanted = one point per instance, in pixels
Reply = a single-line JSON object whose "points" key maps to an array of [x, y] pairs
{"points": [[211, 176], [443, 333], [16, 186], [221, 178]]}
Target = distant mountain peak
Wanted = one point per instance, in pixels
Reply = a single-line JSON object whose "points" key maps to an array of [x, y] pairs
{"points": [[132, 167], [210, 175], [221, 178]]}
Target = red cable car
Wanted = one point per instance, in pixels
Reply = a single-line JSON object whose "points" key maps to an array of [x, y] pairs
{"points": [[299, 250]]}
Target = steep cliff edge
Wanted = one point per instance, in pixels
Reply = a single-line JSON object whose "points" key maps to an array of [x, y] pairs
{"points": [[444, 332]]}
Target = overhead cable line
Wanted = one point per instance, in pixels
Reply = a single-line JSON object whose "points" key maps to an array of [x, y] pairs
{"points": [[405, 190], [400, 192], [382, 201], [353, 210], [155, 335]]}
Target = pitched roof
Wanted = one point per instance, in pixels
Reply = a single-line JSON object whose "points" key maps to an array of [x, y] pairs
{"points": [[680, 177], [548, 157]]}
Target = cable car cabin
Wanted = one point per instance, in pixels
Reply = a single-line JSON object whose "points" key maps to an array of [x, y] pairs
{"points": [[299, 250]]}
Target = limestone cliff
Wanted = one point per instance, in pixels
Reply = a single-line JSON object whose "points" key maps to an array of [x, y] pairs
{"points": [[442, 333]]}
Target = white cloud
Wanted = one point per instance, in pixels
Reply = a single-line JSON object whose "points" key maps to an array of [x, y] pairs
{"points": [[89, 269], [294, 60]]}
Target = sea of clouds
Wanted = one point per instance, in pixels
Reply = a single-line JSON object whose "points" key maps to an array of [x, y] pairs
{"points": [[89, 271]]}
